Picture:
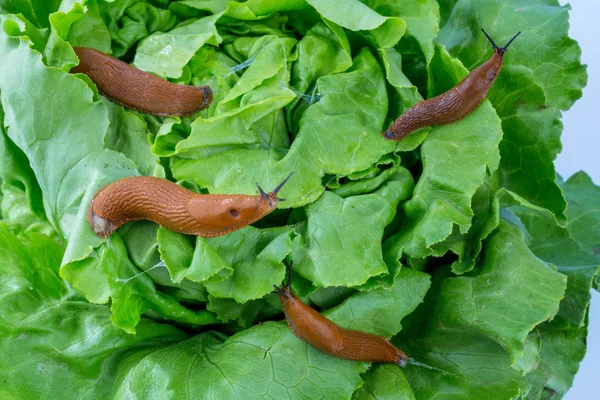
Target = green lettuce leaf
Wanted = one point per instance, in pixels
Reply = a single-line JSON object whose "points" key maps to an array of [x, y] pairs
{"points": [[90, 30], [456, 243], [464, 335], [21, 205], [541, 76], [176, 47], [256, 258], [129, 21], [385, 381], [443, 195], [85, 164], [356, 16], [337, 246], [354, 116], [572, 247], [36, 11], [88, 342]]}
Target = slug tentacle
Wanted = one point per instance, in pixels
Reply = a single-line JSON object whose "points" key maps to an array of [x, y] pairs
{"points": [[174, 207], [310, 326], [454, 104], [133, 88]]}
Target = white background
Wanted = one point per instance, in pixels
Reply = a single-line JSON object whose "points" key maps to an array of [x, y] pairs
{"points": [[581, 151]]}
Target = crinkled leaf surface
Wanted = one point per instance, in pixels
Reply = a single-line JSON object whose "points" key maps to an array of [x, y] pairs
{"points": [[562, 349], [463, 329], [255, 255], [451, 174], [76, 138], [380, 310], [542, 75], [304, 86], [571, 248], [509, 268], [385, 381], [21, 204], [100, 361], [349, 116], [175, 48], [338, 246]]}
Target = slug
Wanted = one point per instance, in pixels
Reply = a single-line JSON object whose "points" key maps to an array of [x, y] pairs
{"points": [[312, 327], [139, 90], [176, 208], [454, 104]]}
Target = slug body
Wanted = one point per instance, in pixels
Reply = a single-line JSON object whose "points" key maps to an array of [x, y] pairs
{"points": [[139, 90], [312, 327], [454, 104], [175, 208]]}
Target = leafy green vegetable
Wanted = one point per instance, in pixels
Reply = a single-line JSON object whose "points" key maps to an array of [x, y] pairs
{"points": [[458, 243], [539, 79], [385, 382]]}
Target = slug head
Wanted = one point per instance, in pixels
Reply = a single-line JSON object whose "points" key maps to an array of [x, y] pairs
{"points": [[268, 201], [102, 227], [487, 72], [499, 50], [402, 358], [226, 213]]}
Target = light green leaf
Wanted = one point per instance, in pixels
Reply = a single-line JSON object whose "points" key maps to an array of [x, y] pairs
{"points": [[256, 258], [111, 275], [542, 74], [241, 117], [165, 54], [85, 164], [183, 261], [48, 331], [254, 9], [386, 381], [276, 364], [571, 248], [90, 30], [422, 19], [356, 16], [381, 310], [128, 134], [444, 192], [331, 132], [486, 217], [338, 246], [322, 51], [129, 21], [21, 204], [244, 314]]}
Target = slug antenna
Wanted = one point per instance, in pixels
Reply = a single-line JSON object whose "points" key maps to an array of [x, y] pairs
{"points": [[490, 39], [511, 40], [288, 285], [285, 290], [262, 192], [278, 188]]}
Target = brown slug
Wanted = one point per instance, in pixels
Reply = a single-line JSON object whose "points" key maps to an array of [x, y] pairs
{"points": [[454, 104], [176, 208], [139, 90], [312, 327]]}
